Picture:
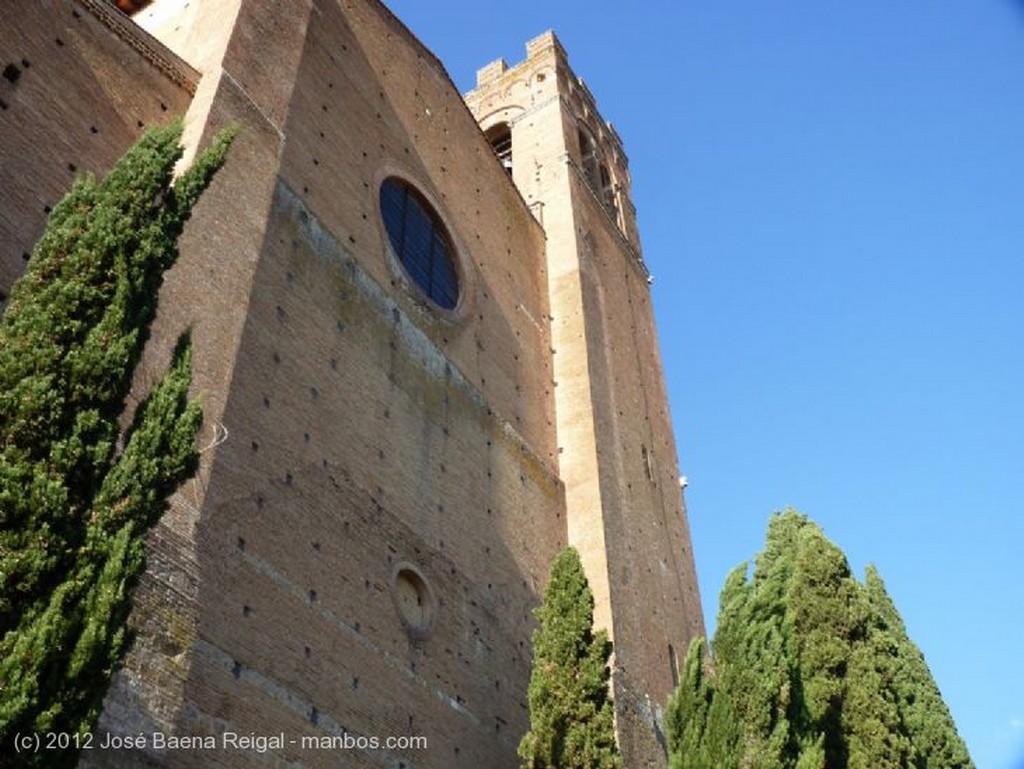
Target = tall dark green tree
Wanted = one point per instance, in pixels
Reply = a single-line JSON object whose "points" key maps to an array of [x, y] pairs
{"points": [[810, 669], [911, 688], [78, 493], [700, 728], [571, 718]]}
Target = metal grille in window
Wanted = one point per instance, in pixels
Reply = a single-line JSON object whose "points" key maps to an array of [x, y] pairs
{"points": [[420, 241]]}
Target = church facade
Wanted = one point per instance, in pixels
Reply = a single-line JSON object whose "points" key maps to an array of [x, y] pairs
{"points": [[425, 348]]}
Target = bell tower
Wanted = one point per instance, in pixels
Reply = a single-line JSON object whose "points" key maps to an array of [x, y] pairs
{"points": [[616, 451]]}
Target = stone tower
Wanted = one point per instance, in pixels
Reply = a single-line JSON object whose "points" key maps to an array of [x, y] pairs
{"points": [[387, 471], [616, 452]]}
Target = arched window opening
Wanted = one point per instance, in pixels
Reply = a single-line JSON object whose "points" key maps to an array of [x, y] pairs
{"points": [[588, 156], [500, 138], [607, 189]]}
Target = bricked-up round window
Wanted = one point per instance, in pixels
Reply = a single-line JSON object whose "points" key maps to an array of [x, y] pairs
{"points": [[414, 600], [420, 241]]}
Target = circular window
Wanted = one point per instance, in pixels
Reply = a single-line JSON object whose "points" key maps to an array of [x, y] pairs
{"points": [[420, 241], [414, 600]]}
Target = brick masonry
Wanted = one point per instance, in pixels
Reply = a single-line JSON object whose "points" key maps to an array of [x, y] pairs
{"points": [[383, 483]]}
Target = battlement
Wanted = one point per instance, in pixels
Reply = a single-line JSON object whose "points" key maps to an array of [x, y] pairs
{"points": [[505, 96], [539, 53]]}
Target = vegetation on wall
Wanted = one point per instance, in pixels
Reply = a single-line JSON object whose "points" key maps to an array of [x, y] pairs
{"points": [[809, 668], [78, 493], [571, 719]]}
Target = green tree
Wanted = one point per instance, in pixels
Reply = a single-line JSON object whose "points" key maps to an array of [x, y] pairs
{"points": [[810, 669], [700, 727], [571, 718], [912, 689], [78, 493]]}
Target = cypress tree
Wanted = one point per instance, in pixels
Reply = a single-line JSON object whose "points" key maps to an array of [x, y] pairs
{"points": [[926, 719], [810, 669], [571, 718], [823, 618], [699, 726], [77, 493]]}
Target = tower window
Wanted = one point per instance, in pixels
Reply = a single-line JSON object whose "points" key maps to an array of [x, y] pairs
{"points": [[420, 241], [607, 189], [500, 138], [588, 154]]}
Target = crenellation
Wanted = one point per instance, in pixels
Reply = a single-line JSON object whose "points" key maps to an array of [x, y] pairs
{"points": [[492, 71]]}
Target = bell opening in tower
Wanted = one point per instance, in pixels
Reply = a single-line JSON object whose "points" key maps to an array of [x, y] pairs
{"points": [[500, 138]]}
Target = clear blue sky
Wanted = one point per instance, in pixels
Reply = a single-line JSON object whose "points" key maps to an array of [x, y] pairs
{"points": [[831, 200]]}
